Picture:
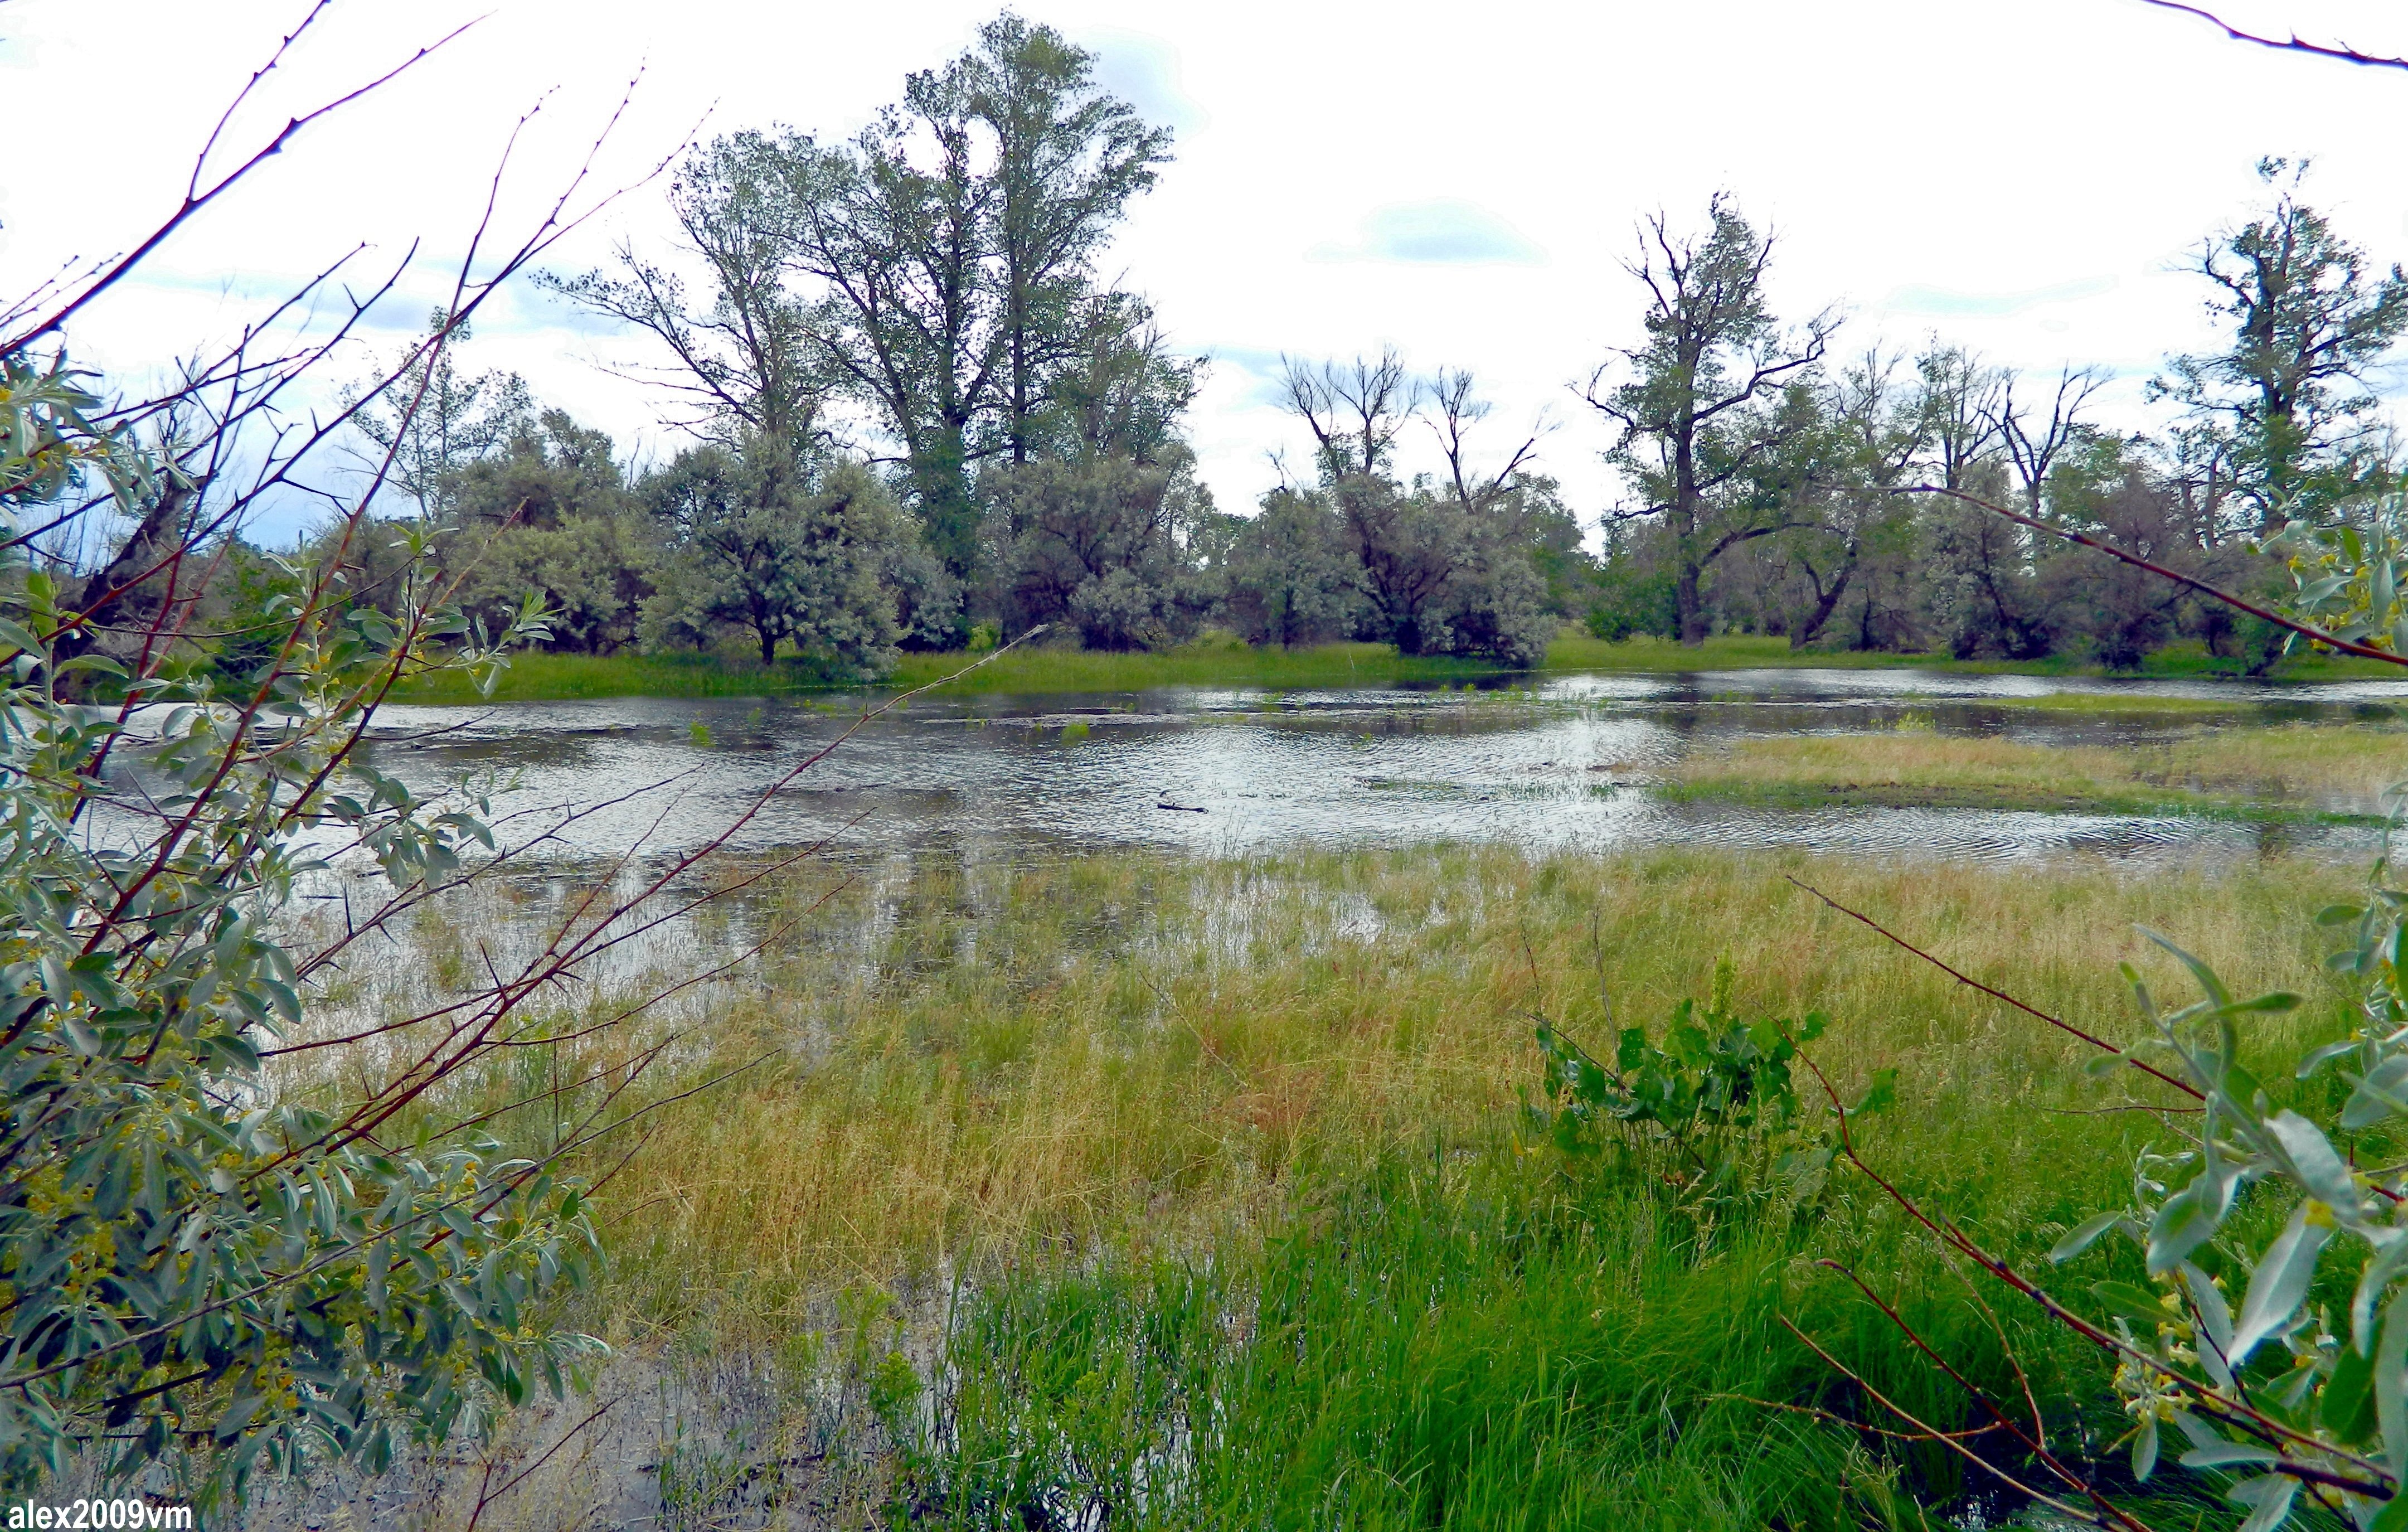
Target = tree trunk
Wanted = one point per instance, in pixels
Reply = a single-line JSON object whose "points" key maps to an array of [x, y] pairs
{"points": [[1688, 602], [768, 648], [1687, 595], [1826, 602], [122, 599]]}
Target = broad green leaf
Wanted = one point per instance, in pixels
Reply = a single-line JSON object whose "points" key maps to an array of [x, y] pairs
{"points": [[2391, 1385], [2182, 1225], [2133, 1302], [2347, 1408], [2320, 1169], [2280, 1284], [2083, 1234], [2208, 982], [2270, 1495], [2215, 1317], [2393, 1516]]}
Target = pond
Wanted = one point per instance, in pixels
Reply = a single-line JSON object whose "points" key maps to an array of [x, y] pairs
{"points": [[1564, 763]]}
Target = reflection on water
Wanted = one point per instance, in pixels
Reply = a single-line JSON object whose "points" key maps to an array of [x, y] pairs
{"points": [[1225, 772]]}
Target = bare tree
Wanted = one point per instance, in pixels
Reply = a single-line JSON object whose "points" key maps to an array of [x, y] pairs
{"points": [[2033, 448], [1458, 412], [1354, 412]]}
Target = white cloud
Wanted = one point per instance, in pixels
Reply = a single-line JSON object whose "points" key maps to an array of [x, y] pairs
{"points": [[1971, 165], [1444, 231]]}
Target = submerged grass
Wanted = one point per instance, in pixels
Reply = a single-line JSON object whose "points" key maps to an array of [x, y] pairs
{"points": [[1200, 1179], [2284, 772]]}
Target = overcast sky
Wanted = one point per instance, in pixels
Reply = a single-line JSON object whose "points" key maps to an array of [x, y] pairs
{"points": [[1460, 181]]}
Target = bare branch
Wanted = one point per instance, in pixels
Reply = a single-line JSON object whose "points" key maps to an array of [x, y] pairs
{"points": [[2292, 43]]}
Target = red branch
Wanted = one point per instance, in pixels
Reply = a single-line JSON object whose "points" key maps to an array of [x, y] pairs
{"points": [[2292, 43], [2304, 630]]}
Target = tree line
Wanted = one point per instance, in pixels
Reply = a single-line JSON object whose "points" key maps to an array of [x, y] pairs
{"points": [[917, 415], [1783, 488]]}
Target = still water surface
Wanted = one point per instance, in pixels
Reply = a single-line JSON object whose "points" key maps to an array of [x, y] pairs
{"points": [[1561, 764]]}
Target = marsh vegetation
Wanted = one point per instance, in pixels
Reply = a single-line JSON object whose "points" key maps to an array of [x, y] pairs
{"points": [[1196, 1187]]}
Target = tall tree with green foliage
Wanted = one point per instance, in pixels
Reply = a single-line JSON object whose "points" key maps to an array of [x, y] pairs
{"points": [[1700, 405], [743, 356], [1118, 389], [1070, 157], [2287, 398], [781, 547]]}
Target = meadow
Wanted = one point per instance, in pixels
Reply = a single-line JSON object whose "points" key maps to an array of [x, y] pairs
{"points": [[1135, 1189], [1213, 661]]}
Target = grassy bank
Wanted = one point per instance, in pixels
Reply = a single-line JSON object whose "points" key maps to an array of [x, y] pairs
{"points": [[548, 677], [1740, 652], [1191, 1189], [544, 677], [2286, 772]]}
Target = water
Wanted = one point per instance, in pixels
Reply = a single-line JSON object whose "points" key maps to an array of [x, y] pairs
{"points": [[1560, 765]]}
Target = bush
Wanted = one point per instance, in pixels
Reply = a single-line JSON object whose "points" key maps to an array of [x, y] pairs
{"points": [[205, 1267], [1631, 601]]}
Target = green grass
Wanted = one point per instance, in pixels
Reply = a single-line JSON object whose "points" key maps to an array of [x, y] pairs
{"points": [[1455, 1340], [2129, 703], [1057, 1177], [2293, 773], [546, 677], [540, 677], [1222, 662], [1742, 652], [1794, 795]]}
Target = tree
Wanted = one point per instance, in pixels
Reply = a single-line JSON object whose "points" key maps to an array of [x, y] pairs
{"points": [[1838, 475], [431, 419], [1292, 577], [1406, 546], [1354, 412], [1119, 390], [937, 270], [1986, 597], [1958, 401], [1445, 567], [1690, 417], [747, 360], [1068, 159], [1101, 544], [777, 546], [2289, 395], [551, 514], [2033, 448], [951, 245], [2120, 612]]}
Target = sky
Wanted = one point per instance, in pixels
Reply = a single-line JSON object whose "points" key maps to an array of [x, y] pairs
{"points": [[1461, 182]]}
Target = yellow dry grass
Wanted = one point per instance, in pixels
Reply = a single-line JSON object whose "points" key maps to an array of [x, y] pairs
{"points": [[982, 1063], [2340, 764]]}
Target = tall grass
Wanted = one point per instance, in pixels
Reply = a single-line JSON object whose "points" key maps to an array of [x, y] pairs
{"points": [[1458, 1342], [1191, 1187], [984, 1061], [2265, 772]]}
